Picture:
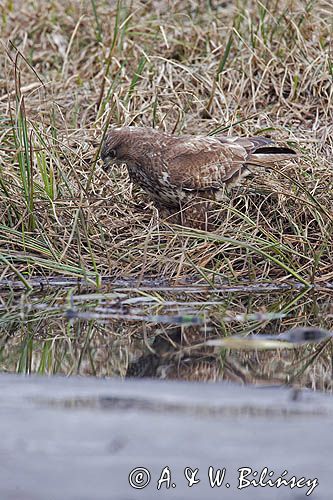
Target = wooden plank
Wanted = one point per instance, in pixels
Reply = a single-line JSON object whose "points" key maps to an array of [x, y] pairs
{"points": [[79, 438]]}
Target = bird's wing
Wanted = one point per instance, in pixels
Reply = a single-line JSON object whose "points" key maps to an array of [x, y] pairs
{"points": [[204, 163]]}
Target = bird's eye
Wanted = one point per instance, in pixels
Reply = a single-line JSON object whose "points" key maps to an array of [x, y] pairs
{"points": [[113, 153]]}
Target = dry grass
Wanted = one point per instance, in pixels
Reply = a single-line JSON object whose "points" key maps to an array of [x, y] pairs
{"points": [[70, 68]]}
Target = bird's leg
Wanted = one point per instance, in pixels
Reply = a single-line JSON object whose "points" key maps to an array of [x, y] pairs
{"points": [[171, 216], [196, 214]]}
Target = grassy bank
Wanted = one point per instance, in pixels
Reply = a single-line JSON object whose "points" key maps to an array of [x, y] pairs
{"points": [[70, 68]]}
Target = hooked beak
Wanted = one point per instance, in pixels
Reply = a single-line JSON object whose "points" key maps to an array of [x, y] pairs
{"points": [[108, 163]]}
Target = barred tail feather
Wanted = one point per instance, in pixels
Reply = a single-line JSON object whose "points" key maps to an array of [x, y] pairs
{"points": [[266, 156]]}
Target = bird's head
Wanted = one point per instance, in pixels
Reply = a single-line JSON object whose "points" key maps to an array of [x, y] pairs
{"points": [[122, 145], [114, 148]]}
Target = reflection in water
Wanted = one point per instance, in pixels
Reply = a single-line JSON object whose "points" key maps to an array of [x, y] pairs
{"points": [[182, 333]]}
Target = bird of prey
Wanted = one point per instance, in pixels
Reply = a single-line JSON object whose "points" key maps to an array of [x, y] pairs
{"points": [[187, 172]]}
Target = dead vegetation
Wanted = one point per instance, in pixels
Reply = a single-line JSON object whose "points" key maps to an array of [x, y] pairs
{"points": [[69, 69]]}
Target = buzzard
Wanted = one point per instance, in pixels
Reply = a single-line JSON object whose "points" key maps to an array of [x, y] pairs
{"points": [[186, 173]]}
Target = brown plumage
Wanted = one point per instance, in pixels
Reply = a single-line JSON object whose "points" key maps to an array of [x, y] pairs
{"points": [[187, 173]]}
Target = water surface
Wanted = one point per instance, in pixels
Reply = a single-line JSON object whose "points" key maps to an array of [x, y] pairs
{"points": [[188, 331]]}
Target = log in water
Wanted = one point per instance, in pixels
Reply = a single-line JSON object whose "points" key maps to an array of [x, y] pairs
{"points": [[83, 438]]}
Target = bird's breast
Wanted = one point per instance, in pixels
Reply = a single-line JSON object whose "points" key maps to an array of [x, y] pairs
{"points": [[157, 185]]}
